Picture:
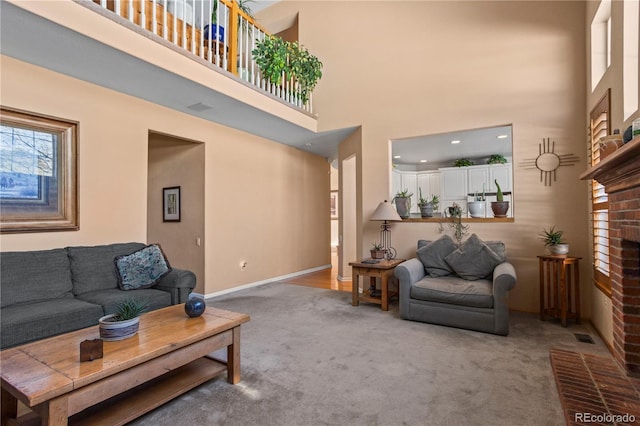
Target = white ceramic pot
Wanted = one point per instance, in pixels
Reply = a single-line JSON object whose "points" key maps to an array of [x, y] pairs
{"points": [[559, 249], [117, 330], [476, 208]]}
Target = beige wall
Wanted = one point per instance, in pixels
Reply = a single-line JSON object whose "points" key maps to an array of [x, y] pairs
{"points": [[612, 79], [410, 68], [264, 203], [175, 162]]}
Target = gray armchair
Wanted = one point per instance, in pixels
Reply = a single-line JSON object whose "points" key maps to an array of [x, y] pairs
{"points": [[462, 295]]}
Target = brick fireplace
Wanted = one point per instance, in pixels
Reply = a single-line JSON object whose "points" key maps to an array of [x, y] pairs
{"points": [[620, 174]]}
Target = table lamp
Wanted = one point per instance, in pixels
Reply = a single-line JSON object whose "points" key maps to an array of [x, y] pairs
{"points": [[386, 213]]}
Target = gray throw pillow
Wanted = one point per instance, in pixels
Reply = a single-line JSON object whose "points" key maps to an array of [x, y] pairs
{"points": [[433, 256], [142, 268], [474, 260]]}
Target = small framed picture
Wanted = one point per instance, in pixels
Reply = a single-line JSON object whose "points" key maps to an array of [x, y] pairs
{"points": [[171, 204]]}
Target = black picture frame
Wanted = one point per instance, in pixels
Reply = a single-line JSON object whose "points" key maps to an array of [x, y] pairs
{"points": [[171, 204]]}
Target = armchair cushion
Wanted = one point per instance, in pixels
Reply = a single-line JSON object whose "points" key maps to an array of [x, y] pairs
{"points": [[433, 254], [454, 290], [474, 260]]}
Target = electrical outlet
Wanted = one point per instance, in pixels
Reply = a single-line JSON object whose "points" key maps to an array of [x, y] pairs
{"points": [[243, 265]]}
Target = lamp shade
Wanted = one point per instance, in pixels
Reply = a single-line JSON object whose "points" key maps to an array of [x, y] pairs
{"points": [[385, 211]]}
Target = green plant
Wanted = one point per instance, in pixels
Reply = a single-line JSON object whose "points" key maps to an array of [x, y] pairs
{"points": [[496, 159], [551, 237], [455, 223], [243, 5], [376, 246], [422, 200], [403, 194], [463, 162], [477, 197], [277, 57], [435, 200], [499, 194], [130, 308]]}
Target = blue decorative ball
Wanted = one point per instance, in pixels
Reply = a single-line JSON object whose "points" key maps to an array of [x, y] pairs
{"points": [[195, 306]]}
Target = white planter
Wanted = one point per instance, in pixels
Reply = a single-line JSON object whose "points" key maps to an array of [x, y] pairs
{"points": [[476, 208], [117, 330], [559, 249]]}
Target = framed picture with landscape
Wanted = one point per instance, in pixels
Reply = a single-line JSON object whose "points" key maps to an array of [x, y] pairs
{"points": [[171, 204], [38, 172]]}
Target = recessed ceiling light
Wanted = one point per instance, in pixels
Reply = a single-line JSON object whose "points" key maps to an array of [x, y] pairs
{"points": [[199, 107], [423, 161], [308, 144], [455, 142], [396, 156], [503, 136]]}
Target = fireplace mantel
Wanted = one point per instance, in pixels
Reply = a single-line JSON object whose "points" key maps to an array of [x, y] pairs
{"points": [[620, 170]]}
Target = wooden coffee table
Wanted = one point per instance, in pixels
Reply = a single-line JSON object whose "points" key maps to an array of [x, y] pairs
{"points": [[169, 355]]}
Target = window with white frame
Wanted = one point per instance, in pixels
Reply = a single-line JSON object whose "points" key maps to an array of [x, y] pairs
{"points": [[630, 75], [600, 42]]}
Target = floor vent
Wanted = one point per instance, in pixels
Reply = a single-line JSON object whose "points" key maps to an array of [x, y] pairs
{"points": [[584, 338]]}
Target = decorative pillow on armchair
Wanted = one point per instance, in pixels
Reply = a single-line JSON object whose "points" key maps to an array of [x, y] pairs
{"points": [[433, 254], [142, 268], [474, 260]]}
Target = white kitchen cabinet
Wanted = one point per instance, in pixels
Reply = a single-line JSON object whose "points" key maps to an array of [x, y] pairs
{"points": [[429, 182]]}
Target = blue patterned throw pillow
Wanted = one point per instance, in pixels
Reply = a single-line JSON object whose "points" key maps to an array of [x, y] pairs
{"points": [[142, 268]]}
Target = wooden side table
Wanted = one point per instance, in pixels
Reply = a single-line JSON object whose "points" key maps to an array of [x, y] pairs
{"points": [[383, 270], [560, 287]]}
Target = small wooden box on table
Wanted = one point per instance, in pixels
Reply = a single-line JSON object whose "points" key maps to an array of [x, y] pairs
{"points": [[169, 355], [560, 287], [383, 270]]}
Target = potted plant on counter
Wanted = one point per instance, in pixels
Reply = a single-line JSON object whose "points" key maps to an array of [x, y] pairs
{"points": [[403, 203], [124, 323], [500, 207], [476, 207], [426, 207], [554, 242]]}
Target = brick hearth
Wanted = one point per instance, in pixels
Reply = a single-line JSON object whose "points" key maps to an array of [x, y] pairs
{"points": [[620, 174]]}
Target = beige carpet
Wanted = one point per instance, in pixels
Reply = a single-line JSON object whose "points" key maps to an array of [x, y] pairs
{"points": [[310, 358]]}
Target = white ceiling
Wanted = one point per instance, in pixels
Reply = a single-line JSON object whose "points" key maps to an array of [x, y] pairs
{"points": [[476, 144], [38, 41]]}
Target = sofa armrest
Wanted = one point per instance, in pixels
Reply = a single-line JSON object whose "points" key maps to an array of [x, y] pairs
{"points": [[178, 282], [504, 279], [407, 273]]}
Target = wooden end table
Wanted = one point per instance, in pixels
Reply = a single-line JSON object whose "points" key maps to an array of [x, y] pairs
{"points": [[383, 270], [559, 287], [169, 355]]}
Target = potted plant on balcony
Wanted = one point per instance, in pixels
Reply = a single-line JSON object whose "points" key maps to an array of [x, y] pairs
{"points": [[554, 242], [214, 31], [403, 203], [499, 207], [124, 322], [277, 57]]}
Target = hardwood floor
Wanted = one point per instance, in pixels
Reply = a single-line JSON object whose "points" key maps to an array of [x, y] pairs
{"points": [[327, 278]]}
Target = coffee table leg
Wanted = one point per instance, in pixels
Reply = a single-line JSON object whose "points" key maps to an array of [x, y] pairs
{"points": [[9, 407], [384, 283], [54, 412], [233, 358]]}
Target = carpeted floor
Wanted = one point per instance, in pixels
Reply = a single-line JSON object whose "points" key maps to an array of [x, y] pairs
{"points": [[310, 358]]}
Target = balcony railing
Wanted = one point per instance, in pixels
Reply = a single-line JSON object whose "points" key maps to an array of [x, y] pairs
{"points": [[214, 30]]}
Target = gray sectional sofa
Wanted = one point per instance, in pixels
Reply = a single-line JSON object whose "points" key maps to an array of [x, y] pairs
{"points": [[49, 292], [463, 286]]}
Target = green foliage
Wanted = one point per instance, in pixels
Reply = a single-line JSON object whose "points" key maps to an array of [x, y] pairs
{"points": [[243, 5], [130, 308], [463, 162], [499, 194], [403, 194], [496, 159], [277, 57], [435, 200], [421, 200], [551, 237], [376, 246]]}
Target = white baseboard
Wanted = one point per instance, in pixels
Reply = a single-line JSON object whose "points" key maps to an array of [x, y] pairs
{"points": [[270, 280]]}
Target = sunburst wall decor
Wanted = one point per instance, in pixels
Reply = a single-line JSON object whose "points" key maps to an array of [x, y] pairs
{"points": [[548, 161]]}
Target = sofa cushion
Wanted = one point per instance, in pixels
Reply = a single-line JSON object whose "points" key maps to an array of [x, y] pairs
{"points": [[34, 276], [454, 290], [110, 298], [92, 268], [33, 321], [433, 254], [142, 268], [474, 260]]}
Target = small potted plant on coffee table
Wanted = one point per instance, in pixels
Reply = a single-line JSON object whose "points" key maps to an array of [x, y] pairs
{"points": [[124, 323], [554, 242]]}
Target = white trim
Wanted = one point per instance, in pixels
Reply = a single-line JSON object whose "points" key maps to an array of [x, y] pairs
{"points": [[267, 281]]}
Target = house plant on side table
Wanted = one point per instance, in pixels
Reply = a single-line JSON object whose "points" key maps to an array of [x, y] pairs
{"points": [[125, 322], [554, 242], [377, 252]]}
